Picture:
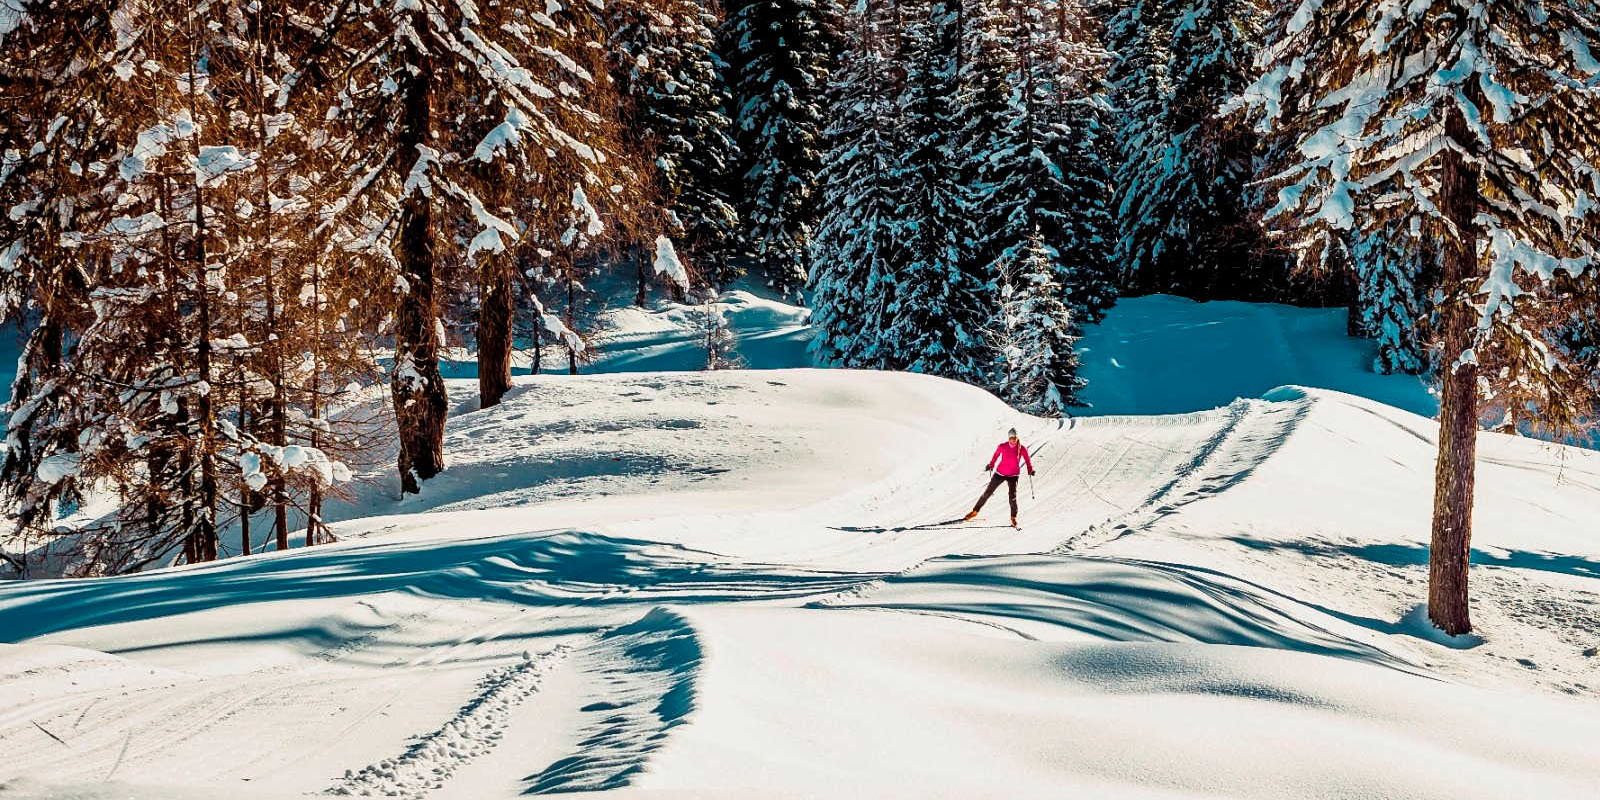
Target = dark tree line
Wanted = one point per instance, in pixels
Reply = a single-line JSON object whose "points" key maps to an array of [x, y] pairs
{"points": [[967, 227]]}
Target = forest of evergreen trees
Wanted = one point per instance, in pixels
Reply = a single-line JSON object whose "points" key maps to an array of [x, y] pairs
{"points": [[224, 218]]}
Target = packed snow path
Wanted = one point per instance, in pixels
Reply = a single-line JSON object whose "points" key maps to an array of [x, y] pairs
{"points": [[745, 584]]}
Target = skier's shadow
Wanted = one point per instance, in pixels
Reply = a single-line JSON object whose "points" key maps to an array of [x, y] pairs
{"points": [[927, 526]]}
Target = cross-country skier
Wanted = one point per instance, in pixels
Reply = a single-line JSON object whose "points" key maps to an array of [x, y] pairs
{"points": [[1006, 463]]}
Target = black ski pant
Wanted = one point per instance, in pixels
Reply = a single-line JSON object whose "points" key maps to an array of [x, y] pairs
{"points": [[994, 483]]}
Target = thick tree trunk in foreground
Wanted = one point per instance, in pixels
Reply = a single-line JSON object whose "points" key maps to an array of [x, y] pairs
{"points": [[494, 334], [1454, 471], [419, 397]]}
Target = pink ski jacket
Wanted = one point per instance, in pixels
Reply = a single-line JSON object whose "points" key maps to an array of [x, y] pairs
{"points": [[1008, 455]]}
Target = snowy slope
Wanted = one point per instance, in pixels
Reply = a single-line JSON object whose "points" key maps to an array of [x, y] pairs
{"points": [[737, 584], [1163, 354], [669, 336], [772, 335], [1157, 354]]}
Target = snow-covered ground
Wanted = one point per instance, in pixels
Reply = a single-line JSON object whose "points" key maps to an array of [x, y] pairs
{"points": [[1162, 354], [744, 584], [669, 336]]}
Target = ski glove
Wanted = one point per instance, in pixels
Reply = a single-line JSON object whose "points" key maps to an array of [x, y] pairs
{"points": [[1030, 473], [986, 468]]}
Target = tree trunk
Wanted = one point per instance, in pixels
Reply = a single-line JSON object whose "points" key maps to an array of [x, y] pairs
{"points": [[418, 388], [279, 429], [314, 496], [207, 544], [186, 517], [572, 318], [494, 333], [640, 260], [538, 342], [244, 488], [280, 400], [1350, 283], [1454, 470]]}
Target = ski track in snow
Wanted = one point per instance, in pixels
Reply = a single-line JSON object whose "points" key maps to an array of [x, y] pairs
{"points": [[1247, 433], [204, 705], [1252, 431], [640, 677], [473, 731], [643, 680]]}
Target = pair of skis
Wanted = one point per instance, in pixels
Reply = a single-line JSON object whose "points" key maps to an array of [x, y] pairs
{"points": [[926, 526], [952, 523]]}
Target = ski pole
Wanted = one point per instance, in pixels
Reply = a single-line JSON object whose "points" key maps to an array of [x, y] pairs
{"points": [[1031, 495]]}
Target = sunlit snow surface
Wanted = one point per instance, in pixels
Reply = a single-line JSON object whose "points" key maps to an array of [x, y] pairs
{"points": [[748, 584], [738, 585]]}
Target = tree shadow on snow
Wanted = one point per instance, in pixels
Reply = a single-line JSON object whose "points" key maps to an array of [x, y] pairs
{"points": [[1121, 600], [559, 569], [1414, 555]]}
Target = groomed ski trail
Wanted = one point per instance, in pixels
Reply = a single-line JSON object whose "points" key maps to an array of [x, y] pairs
{"points": [[1231, 443], [1252, 432]]}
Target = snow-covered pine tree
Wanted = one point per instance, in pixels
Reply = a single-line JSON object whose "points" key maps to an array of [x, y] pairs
{"points": [[1072, 62], [146, 269], [571, 274], [265, 254], [325, 364], [985, 151], [1039, 337], [1138, 36], [1190, 194], [665, 62], [1468, 126], [448, 102], [782, 52], [1089, 273], [1392, 276], [1566, 312], [1036, 167], [302, 302], [1008, 178], [1576, 323], [600, 158], [942, 304], [855, 253], [42, 286]]}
